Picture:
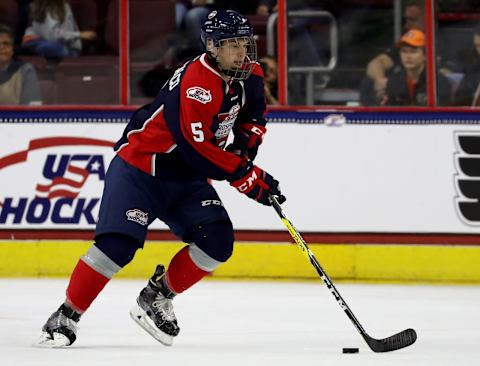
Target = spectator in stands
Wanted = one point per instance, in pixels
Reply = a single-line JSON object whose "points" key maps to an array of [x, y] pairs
{"points": [[54, 32], [266, 7], [306, 44], [303, 48], [372, 89], [191, 22], [468, 92], [22, 20], [270, 71], [18, 80], [407, 86]]}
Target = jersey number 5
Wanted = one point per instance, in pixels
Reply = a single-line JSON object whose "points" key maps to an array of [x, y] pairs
{"points": [[198, 135]]}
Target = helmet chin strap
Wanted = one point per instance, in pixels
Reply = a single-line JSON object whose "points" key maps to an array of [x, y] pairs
{"points": [[214, 61]]}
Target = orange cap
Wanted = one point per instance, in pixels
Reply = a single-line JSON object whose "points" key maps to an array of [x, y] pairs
{"points": [[413, 38]]}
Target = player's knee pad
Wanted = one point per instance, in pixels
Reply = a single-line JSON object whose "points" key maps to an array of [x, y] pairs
{"points": [[211, 244], [118, 248]]}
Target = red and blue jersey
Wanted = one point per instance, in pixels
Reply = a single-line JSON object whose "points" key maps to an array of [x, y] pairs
{"points": [[183, 132]]}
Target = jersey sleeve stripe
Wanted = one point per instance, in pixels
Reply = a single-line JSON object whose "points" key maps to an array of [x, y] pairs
{"points": [[130, 133]]}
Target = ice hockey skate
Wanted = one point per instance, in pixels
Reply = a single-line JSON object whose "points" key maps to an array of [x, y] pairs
{"points": [[60, 330], [154, 310]]}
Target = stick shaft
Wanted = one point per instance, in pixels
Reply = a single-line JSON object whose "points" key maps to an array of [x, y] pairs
{"points": [[321, 272], [397, 341]]}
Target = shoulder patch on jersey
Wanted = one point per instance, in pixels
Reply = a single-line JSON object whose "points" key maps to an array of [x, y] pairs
{"points": [[199, 94]]}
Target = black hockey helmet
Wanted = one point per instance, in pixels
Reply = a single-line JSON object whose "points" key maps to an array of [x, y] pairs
{"points": [[222, 25]]}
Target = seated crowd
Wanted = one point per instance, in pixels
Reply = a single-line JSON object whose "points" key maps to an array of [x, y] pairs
{"points": [[18, 80], [52, 33]]}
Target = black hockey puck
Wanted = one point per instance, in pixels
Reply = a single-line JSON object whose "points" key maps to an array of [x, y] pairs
{"points": [[349, 350]]}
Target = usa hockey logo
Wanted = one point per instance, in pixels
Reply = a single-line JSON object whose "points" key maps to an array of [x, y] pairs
{"points": [[137, 216], [51, 182], [199, 94], [467, 177], [67, 174]]}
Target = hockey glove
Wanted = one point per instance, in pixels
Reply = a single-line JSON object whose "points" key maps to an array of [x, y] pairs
{"points": [[256, 184], [248, 138]]}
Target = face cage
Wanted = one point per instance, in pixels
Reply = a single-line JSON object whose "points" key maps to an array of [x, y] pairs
{"points": [[245, 70]]}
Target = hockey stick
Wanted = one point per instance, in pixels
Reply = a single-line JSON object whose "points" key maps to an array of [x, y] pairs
{"points": [[397, 341]]}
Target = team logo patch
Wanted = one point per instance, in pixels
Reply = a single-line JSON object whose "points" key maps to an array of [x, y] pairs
{"points": [[137, 216], [199, 94], [226, 121]]}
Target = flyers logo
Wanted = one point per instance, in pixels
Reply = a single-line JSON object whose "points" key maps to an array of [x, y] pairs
{"points": [[467, 177]]}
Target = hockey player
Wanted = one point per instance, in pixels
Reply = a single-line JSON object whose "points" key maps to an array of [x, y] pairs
{"points": [[167, 152]]}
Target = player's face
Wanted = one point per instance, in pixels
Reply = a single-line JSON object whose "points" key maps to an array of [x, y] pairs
{"points": [[232, 53], [6, 49], [412, 57]]}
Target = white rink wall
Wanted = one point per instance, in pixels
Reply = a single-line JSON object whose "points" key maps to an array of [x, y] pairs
{"points": [[354, 178], [349, 178]]}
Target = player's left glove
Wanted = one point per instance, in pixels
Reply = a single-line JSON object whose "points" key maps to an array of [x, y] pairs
{"points": [[248, 137], [256, 184]]}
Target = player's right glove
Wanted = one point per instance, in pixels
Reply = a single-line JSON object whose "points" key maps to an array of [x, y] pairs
{"points": [[248, 137], [256, 183]]}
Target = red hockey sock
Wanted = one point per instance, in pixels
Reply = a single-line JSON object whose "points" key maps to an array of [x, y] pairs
{"points": [[182, 273], [85, 284]]}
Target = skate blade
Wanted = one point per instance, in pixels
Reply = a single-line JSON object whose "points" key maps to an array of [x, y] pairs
{"points": [[141, 318], [58, 341]]}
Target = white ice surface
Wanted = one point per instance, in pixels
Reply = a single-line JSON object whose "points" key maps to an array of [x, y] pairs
{"points": [[248, 324]]}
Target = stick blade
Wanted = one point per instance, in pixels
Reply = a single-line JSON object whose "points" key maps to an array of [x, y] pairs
{"points": [[397, 341]]}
